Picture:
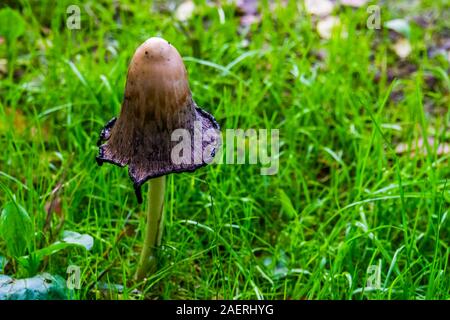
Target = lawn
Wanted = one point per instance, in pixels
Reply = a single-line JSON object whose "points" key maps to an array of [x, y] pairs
{"points": [[358, 208]]}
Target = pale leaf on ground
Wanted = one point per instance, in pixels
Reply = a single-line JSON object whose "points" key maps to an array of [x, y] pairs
{"points": [[3, 66], [83, 240], [420, 147], [185, 10], [402, 48], [40, 287], [400, 26], [354, 3], [326, 26], [319, 7], [249, 12]]}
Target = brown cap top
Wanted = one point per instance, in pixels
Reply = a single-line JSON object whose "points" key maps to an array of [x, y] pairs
{"points": [[157, 80]]}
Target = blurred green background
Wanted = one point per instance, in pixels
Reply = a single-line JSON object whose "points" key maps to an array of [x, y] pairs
{"points": [[359, 207]]}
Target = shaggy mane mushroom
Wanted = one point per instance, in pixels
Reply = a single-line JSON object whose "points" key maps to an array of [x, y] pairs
{"points": [[157, 102]]}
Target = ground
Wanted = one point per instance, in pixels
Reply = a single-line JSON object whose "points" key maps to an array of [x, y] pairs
{"points": [[358, 208]]}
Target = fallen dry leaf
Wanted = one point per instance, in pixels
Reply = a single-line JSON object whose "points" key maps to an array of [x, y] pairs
{"points": [[402, 48], [319, 7], [16, 122], [426, 19], [420, 147], [248, 9], [3, 66], [354, 3], [441, 46], [400, 69], [185, 11], [326, 26], [54, 206], [401, 26]]}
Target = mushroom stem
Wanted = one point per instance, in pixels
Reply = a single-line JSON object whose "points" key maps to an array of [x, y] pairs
{"points": [[154, 228]]}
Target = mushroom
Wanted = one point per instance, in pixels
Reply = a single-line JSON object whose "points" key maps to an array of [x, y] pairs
{"points": [[157, 103]]}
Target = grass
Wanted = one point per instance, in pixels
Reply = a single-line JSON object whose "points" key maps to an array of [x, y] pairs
{"points": [[343, 204]]}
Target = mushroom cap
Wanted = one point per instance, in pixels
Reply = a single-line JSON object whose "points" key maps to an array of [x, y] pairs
{"points": [[157, 101], [157, 76]]}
